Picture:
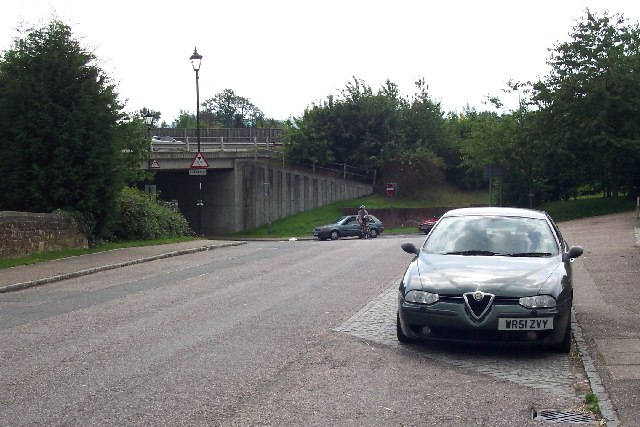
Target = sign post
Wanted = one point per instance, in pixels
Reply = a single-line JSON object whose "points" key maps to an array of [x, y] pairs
{"points": [[391, 189], [198, 168]]}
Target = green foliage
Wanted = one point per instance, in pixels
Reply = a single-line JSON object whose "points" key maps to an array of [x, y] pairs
{"points": [[381, 132], [59, 117], [185, 120], [141, 216], [591, 403], [133, 139], [564, 210], [590, 100], [229, 110]]}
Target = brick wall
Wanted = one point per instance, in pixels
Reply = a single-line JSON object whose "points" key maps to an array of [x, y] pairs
{"points": [[25, 233]]}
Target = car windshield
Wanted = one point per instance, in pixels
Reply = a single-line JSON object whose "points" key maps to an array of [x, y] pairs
{"points": [[483, 235]]}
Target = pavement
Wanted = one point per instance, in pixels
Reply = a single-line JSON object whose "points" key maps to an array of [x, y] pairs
{"points": [[16, 278], [606, 295], [606, 308]]}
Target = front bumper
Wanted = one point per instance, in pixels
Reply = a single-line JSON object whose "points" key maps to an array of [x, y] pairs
{"points": [[321, 234], [449, 320]]}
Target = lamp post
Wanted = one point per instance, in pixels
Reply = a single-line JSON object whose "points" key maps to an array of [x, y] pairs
{"points": [[148, 119], [196, 60]]}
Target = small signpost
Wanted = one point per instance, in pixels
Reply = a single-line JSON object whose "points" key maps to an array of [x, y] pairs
{"points": [[198, 166], [391, 189], [199, 162]]}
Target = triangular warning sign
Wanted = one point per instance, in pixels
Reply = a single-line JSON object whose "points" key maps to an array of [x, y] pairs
{"points": [[153, 164], [199, 161]]}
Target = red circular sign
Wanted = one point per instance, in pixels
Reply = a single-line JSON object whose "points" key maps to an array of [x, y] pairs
{"points": [[391, 189]]}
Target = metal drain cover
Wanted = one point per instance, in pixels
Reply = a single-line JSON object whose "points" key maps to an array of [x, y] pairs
{"points": [[566, 417]]}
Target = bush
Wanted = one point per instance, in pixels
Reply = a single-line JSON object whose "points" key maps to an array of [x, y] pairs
{"points": [[140, 216]]}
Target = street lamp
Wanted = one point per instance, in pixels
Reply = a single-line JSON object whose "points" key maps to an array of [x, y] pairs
{"points": [[148, 119], [196, 60]]}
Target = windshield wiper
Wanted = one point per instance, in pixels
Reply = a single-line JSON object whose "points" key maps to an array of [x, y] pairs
{"points": [[530, 254], [472, 252]]}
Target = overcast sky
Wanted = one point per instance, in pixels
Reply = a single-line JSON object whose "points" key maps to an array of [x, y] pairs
{"points": [[285, 55]]}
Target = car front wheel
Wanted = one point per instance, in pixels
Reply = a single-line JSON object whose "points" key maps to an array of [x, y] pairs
{"points": [[564, 346], [373, 233], [335, 235]]}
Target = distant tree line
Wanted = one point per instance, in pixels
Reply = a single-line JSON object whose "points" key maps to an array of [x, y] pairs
{"points": [[66, 142], [576, 131]]}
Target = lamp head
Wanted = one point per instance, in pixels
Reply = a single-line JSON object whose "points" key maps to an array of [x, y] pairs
{"points": [[196, 59]]}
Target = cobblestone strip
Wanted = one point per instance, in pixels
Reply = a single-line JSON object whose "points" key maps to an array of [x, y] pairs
{"points": [[545, 371]]}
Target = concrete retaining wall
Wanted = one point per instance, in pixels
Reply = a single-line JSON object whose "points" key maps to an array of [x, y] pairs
{"points": [[25, 233], [288, 192]]}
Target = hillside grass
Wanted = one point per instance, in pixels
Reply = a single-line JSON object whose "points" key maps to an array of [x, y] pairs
{"points": [[303, 223], [587, 207]]}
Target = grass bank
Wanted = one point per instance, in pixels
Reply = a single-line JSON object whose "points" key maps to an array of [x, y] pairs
{"points": [[302, 224], [587, 207], [52, 255]]}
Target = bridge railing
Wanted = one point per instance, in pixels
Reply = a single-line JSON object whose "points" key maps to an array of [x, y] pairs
{"points": [[219, 143]]}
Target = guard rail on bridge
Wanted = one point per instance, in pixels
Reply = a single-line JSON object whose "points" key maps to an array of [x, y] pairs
{"points": [[214, 139], [220, 143]]}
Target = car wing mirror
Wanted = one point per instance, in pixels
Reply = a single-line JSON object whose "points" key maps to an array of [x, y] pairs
{"points": [[574, 252], [410, 248]]}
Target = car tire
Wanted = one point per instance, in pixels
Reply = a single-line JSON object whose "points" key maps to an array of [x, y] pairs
{"points": [[373, 233], [564, 346], [335, 235], [399, 334]]}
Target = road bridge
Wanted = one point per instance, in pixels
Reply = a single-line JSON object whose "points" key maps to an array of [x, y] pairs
{"points": [[245, 181]]}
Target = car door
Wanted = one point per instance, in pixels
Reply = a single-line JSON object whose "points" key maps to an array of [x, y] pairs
{"points": [[350, 226]]}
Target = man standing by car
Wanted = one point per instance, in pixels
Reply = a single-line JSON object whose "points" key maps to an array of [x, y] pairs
{"points": [[363, 217]]}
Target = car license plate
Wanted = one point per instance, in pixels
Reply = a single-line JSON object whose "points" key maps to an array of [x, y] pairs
{"points": [[520, 324]]}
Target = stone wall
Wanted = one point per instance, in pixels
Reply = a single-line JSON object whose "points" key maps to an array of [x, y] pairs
{"points": [[25, 233]]}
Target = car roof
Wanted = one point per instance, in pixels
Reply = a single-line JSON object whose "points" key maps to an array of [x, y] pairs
{"points": [[497, 211]]}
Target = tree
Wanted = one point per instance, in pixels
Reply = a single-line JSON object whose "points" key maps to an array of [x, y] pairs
{"points": [[185, 120], [59, 116], [233, 111], [591, 98], [373, 132]]}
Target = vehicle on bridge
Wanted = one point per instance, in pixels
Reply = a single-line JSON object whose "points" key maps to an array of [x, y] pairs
{"points": [[166, 143], [347, 226], [496, 275]]}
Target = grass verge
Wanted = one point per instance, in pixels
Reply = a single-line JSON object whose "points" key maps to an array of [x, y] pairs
{"points": [[53, 255]]}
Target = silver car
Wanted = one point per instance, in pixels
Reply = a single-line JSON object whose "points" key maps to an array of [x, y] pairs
{"points": [[489, 275]]}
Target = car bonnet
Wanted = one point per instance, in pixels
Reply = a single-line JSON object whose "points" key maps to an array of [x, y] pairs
{"points": [[502, 276]]}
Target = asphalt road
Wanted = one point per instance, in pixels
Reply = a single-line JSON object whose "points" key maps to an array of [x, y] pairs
{"points": [[267, 333]]}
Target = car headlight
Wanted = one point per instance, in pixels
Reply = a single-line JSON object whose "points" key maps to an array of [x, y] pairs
{"points": [[421, 297], [538, 301]]}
